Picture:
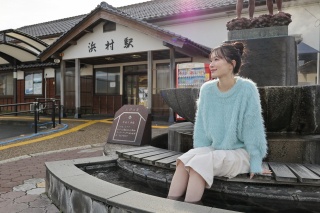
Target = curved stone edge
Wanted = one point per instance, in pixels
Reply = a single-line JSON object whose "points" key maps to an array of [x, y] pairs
{"points": [[73, 190], [259, 188]]}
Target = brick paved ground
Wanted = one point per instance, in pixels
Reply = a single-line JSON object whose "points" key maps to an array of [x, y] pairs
{"points": [[15, 173], [22, 169]]}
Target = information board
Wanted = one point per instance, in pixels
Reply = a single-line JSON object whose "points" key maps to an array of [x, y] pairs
{"points": [[131, 125]]}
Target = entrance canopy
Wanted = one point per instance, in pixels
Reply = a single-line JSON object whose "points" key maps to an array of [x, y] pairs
{"points": [[17, 47]]}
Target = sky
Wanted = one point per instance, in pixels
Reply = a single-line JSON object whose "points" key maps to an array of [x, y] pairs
{"points": [[19, 13]]}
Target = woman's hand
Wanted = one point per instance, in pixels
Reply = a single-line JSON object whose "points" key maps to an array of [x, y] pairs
{"points": [[265, 171]]}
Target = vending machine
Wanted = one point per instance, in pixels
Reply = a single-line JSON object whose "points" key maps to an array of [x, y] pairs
{"points": [[191, 75]]}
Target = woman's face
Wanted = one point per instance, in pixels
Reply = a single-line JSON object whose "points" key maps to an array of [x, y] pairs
{"points": [[219, 67]]}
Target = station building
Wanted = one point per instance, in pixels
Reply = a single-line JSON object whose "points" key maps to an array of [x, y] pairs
{"points": [[100, 61]]}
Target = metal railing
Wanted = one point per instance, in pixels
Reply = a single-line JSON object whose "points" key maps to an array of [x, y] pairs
{"points": [[36, 107]]}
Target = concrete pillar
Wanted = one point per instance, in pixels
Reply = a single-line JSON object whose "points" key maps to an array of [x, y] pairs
{"points": [[318, 68], [15, 94], [62, 87], [77, 89], [150, 82], [172, 80]]}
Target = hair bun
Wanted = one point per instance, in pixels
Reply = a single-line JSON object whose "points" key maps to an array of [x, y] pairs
{"points": [[239, 46]]}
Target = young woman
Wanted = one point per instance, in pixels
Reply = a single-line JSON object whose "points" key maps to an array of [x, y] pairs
{"points": [[229, 135]]}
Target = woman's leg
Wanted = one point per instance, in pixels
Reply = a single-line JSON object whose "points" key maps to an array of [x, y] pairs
{"points": [[239, 7], [279, 5], [196, 186], [179, 182], [252, 5], [270, 6]]}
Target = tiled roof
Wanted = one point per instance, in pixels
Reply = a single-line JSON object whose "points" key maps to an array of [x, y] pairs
{"points": [[31, 65], [163, 8], [142, 11], [52, 27]]}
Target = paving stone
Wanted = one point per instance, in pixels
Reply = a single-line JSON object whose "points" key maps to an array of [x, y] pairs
{"points": [[28, 173], [10, 184], [26, 199], [41, 184], [14, 175], [6, 172], [14, 208], [12, 195], [5, 176], [24, 187], [41, 202], [44, 196], [36, 191], [25, 177], [33, 168], [3, 182], [40, 175], [34, 180], [34, 210], [90, 150], [18, 179], [5, 203], [52, 209], [5, 189]]}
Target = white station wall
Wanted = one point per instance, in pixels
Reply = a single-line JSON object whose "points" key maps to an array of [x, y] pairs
{"points": [[99, 39]]}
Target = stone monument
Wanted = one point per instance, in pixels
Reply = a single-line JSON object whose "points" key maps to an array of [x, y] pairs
{"points": [[271, 59], [131, 125]]}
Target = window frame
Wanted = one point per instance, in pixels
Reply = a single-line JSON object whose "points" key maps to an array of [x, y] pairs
{"points": [[105, 70], [157, 80], [109, 26], [25, 84], [6, 74]]}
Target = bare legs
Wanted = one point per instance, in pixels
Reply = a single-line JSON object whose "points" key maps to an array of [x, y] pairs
{"points": [[195, 188], [183, 182], [251, 8], [270, 6], [269, 3], [239, 8], [179, 182]]}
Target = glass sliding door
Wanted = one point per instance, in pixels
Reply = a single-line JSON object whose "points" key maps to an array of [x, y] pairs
{"points": [[136, 89], [135, 85], [131, 89]]}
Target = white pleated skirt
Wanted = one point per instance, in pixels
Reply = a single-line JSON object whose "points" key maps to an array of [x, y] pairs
{"points": [[209, 162]]}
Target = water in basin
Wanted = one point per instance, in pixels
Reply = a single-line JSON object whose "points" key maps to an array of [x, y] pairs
{"points": [[234, 202]]}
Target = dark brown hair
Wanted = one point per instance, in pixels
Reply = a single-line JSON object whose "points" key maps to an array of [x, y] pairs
{"points": [[230, 51]]}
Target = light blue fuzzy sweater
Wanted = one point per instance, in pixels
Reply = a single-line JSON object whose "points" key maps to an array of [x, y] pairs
{"points": [[231, 120]]}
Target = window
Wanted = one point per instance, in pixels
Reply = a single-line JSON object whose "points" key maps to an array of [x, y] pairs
{"points": [[109, 26], [6, 84], [33, 83], [107, 80], [163, 76], [135, 69]]}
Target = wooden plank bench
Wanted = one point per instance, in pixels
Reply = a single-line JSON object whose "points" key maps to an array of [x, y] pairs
{"points": [[282, 173]]}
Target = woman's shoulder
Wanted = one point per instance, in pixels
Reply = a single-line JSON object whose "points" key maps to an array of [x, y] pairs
{"points": [[208, 84], [247, 83]]}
